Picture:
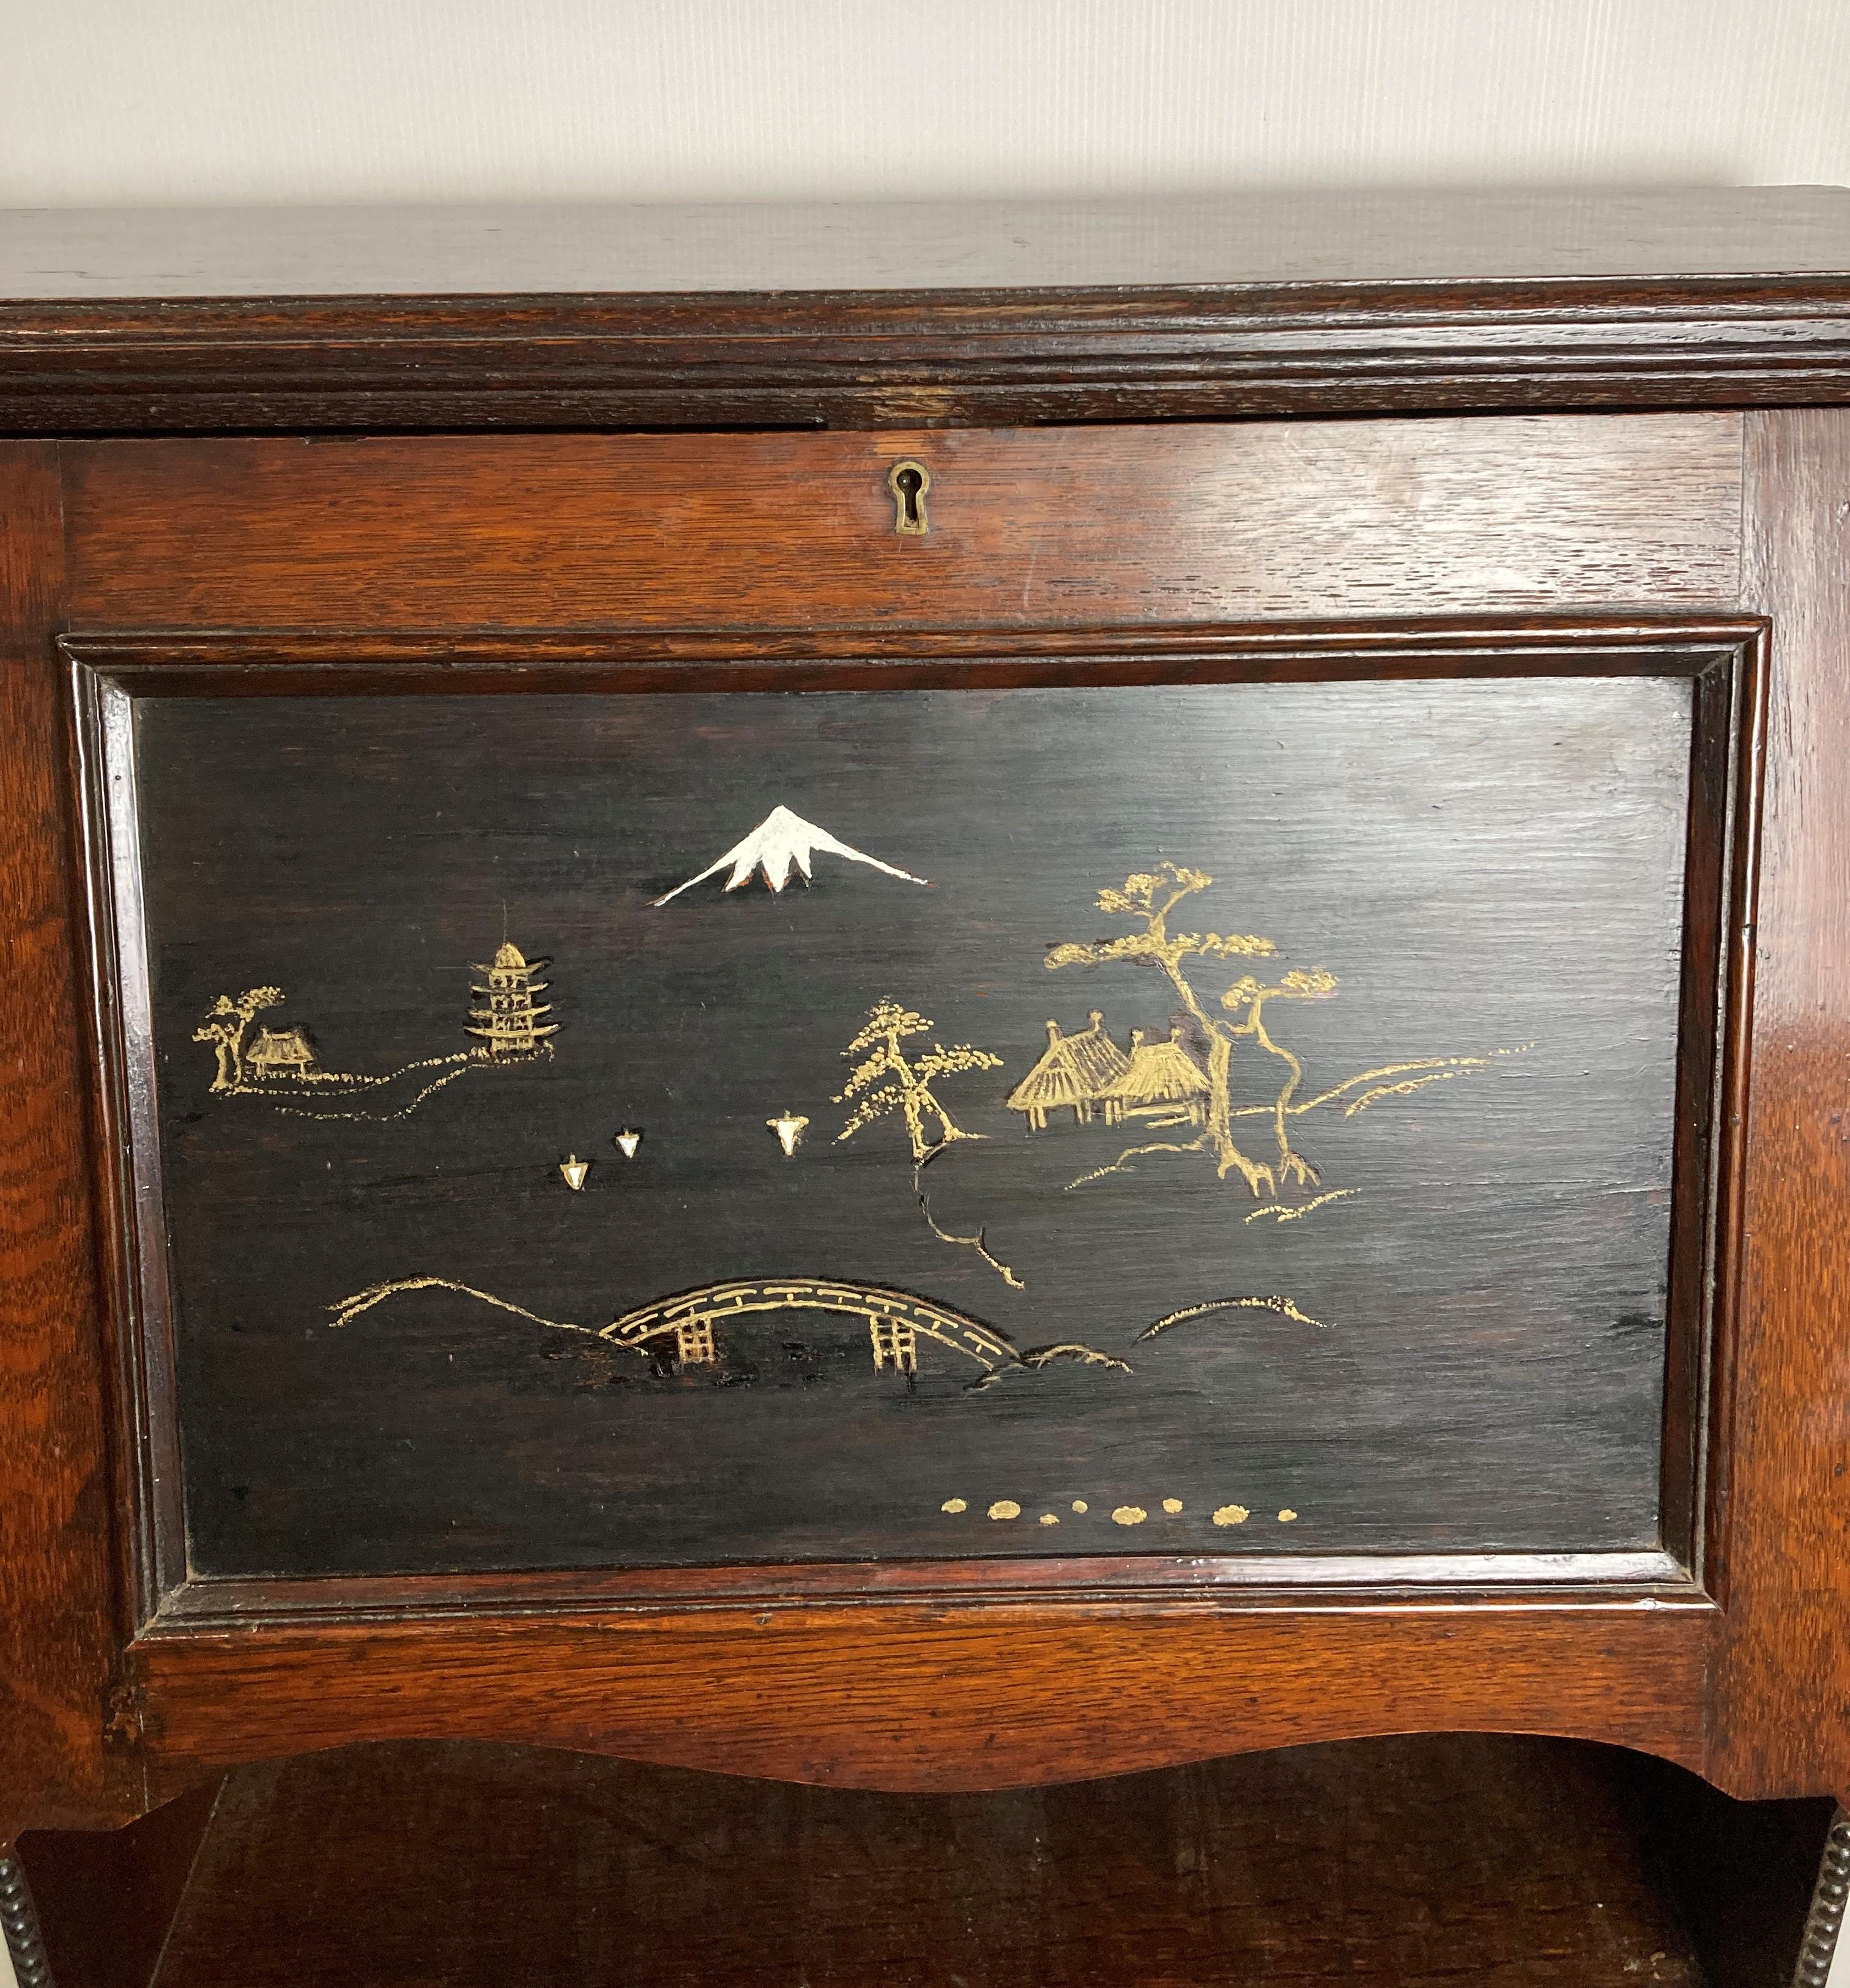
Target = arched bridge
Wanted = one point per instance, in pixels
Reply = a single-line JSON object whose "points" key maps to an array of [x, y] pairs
{"points": [[896, 1321]]}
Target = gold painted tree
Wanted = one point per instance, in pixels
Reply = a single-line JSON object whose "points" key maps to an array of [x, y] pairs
{"points": [[1249, 994], [224, 1027], [887, 1080], [1148, 899]]}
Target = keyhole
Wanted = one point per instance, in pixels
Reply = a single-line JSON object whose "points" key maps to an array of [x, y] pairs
{"points": [[909, 482]]}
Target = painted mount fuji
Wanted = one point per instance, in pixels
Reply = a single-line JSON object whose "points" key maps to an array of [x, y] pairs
{"points": [[781, 842]]}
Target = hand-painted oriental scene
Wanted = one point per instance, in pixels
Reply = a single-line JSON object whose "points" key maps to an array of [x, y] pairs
{"points": [[639, 1129]]}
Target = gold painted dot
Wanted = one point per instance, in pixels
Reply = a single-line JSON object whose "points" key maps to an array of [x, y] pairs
{"points": [[1286, 1516], [1172, 1504], [1050, 1518], [1129, 1515], [954, 1505], [1079, 1505], [1231, 1515], [1005, 1508]]}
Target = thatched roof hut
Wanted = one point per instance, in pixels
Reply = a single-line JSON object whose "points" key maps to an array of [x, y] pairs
{"points": [[1159, 1077], [1073, 1072], [276, 1051]]}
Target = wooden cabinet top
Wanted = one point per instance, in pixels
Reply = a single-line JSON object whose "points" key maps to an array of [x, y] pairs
{"points": [[1216, 242], [938, 314]]}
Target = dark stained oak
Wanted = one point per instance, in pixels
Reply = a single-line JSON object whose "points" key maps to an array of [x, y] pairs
{"points": [[107, 1899], [1069, 398], [1136, 529], [59, 1622], [1780, 1493], [937, 1695], [1411, 1864], [911, 314], [1422, 1860], [1270, 521], [1114, 526]]}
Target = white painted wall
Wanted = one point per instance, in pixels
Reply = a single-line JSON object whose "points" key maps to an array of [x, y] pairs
{"points": [[255, 101], [193, 102]]}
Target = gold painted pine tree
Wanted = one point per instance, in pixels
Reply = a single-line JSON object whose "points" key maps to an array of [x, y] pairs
{"points": [[887, 1080]]}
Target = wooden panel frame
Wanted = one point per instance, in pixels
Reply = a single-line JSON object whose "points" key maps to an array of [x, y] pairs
{"points": [[1779, 1704], [182, 1622], [61, 1628], [1748, 1682]]}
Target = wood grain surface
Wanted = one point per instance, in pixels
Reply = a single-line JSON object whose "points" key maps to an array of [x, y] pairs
{"points": [[1524, 1196], [1781, 1495], [769, 538], [1507, 1863], [935, 1696], [1253, 238], [1433, 1858], [1135, 529], [453, 367], [58, 1626], [871, 316], [1118, 526], [107, 1899]]}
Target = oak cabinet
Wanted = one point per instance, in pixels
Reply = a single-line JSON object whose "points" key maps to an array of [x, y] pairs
{"points": [[928, 1026]]}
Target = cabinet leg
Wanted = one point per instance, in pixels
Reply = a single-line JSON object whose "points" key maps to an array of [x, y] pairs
{"points": [[20, 1924], [1827, 1917]]}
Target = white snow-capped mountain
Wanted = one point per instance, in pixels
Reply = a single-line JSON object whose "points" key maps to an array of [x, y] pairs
{"points": [[782, 842]]}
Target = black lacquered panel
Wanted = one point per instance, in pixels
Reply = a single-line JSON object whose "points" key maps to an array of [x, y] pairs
{"points": [[1233, 1119]]}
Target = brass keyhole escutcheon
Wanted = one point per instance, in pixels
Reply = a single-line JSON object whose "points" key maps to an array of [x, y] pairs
{"points": [[909, 481]]}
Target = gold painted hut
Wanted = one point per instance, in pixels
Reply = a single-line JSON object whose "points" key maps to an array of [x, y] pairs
{"points": [[1160, 1079], [281, 1052], [1072, 1073]]}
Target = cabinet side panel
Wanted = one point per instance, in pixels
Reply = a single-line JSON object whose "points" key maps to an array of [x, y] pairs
{"points": [[55, 1561], [1782, 1488]]}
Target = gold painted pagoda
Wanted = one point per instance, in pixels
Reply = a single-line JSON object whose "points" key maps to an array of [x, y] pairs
{"points": [[511, 1022]]}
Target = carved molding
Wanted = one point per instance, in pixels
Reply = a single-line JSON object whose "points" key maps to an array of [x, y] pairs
{"points": [[990, 358], [1826, 1921], [20, 1923]]}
